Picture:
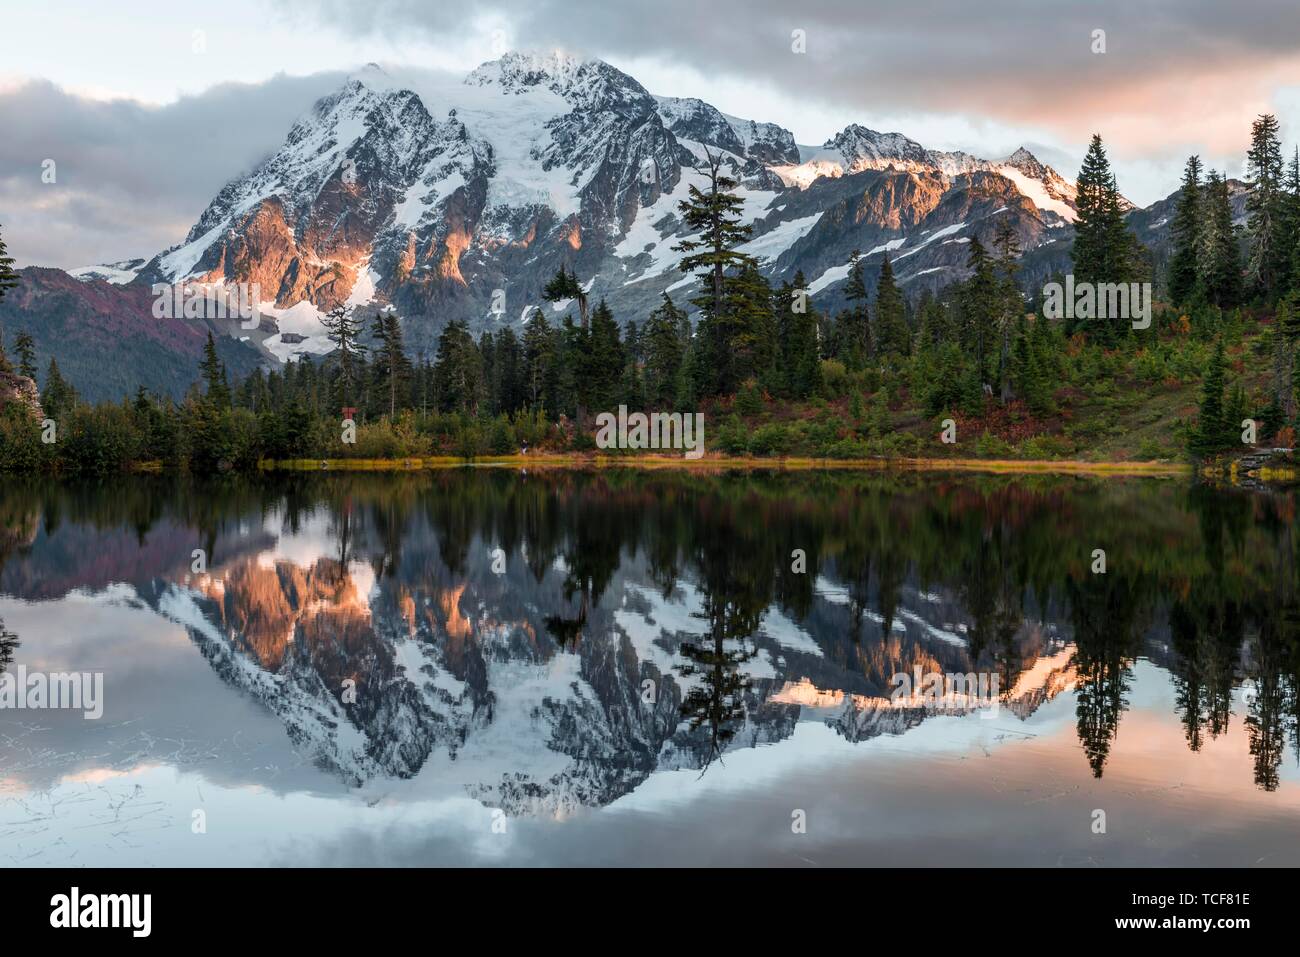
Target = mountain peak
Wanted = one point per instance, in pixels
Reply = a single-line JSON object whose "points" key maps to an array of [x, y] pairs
{"points": [[517, 69]]}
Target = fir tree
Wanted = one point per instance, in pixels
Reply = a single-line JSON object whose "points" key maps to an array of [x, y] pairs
{"points": [[980, 307], [1105, 249], [1186, 230], [564, 286], [539, 356], [665, 352], [1266, 216], [344, 330], [1218, 262], [214, 375], [1208, 437], [1007, 245], [8, 277], [855, 344], [458, 370], [392, 369], [747, 330], [713, 217], [59, 397], [797, 335], [892, 334], [605, 367]]}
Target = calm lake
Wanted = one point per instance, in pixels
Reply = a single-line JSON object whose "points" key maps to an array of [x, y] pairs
{"points": [[483, 666]]}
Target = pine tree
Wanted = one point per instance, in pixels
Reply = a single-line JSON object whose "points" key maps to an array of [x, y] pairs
{"points": [[1186, 230], [605, 369], [539, 356], [892, 334], [25, 349], [1027, 373], [797, 334], [665, 352], [1291, 225], [1105, 249], [344, 330], [392, 369], [214, 375], [509, 371], [1208, 437], [8, 277], [59, 396], [855, 345], [714, 218], [1266, 216], [1218, 262], [458, 370], [980, 308], [564, 286], [1012, 306], [748, 329]]}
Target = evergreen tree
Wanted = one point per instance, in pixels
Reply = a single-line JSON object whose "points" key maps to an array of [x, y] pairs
{"points": [[539, 357], [25, 349], [1219, 264], [1186, 230], [392, 369], [458, 370], [1266, 217], [665, 352], [509, 373], [892, 334], [1105, 249], [1208, 437], [797, 335], [59, 397], [854, 334], [1011, 313], [713, 217], [1291, 225], [8, 277], [747, 330], [605, 366], [980, 308], [565, 286], [344, 330], [214, 375]]}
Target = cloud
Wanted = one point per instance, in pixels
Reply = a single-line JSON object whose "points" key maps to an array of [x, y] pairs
{"points": [[130, 179], [1177, 76]]}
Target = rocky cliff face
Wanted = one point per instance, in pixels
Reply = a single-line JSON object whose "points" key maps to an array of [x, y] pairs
{"points": [[21, 391]]}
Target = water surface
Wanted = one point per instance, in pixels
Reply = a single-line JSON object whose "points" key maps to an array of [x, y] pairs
{"points": [[565, 667]]}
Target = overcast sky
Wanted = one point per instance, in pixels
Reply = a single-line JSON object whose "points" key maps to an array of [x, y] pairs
{"points": [[147, 113]]}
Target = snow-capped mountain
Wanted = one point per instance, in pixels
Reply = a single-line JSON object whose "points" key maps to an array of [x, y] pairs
{"points": [[461, 200]]}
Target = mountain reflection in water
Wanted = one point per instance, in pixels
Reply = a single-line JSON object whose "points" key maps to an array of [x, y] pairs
{"points": [[435, 654]]}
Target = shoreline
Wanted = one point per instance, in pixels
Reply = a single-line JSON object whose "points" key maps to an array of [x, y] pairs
{"points": [[738, 463]]}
